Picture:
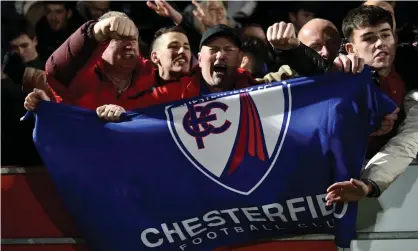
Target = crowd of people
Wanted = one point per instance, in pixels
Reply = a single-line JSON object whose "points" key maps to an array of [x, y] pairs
{"points": [[111, 57]]}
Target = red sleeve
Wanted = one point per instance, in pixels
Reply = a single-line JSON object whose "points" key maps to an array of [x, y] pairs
{"points": [[71, 56]]}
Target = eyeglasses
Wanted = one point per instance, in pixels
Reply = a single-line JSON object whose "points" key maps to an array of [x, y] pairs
{"points": [[226, 49]]}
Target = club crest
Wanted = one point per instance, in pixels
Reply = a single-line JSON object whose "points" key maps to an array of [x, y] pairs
{"points": [[234, 139]]}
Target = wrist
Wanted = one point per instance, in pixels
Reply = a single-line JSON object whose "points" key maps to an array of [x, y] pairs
{"points": [[177, 18], [374, 190]]}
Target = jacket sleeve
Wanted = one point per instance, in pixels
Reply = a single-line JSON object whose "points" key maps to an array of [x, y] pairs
{"points": [[304, 60], [71, 56], [399, 152]]}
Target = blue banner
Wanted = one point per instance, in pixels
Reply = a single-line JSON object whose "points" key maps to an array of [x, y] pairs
{"points": [[221, 169]]}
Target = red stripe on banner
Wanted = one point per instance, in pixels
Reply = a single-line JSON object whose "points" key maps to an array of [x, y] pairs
{"points": [[260, 149], [251, 136], [242, 137]]}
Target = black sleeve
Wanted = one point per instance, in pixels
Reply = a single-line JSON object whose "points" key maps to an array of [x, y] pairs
{"points": [[304, 60]]}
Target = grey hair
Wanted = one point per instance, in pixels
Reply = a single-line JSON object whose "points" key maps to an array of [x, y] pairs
{"points": [[112, 14]]}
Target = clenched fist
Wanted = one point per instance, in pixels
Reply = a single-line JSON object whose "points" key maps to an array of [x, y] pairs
{"points": [[110, 112], [282, 36], [350, 63], [115, 28]]}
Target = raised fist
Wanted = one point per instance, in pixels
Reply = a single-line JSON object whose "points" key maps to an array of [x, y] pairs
{"points": [[115, 28], [282, 36]]}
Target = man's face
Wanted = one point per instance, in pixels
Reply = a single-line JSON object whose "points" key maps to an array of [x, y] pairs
{"points": [[122, 53], [255, 31], [219, 60], [172, 53], [57, 16], [301, 17], [324, 40], [375, 44], [98, 8], [25, 47], [217, 12]]}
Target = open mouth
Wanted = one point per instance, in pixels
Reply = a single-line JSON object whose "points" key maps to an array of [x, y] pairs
{"points": [[180, 61], [381, 54], [129, 55], [219, 68]]}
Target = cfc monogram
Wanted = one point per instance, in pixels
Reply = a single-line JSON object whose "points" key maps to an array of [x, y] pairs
{"points": [[193, 123]]}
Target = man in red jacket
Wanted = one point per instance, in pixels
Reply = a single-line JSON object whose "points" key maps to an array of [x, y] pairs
{"points": [[100, 64]]}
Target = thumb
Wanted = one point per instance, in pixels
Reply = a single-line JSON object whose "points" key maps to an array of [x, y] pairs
{"points": [[41, 94], [357, 182]]}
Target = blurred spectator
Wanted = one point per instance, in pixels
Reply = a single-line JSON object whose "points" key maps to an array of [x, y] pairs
{"points": [[31, 10], [239, 10], [408, 33], [92, 10], [254, 30], [55, 27], [206, 14], [22, 41], [255, 52], [322, 36], [386, 6], [300, 13]]}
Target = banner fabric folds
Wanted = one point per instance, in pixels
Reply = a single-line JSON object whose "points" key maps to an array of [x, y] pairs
{"points": [[222, 169]]}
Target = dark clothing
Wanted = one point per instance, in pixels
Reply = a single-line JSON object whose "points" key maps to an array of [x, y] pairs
{"points": [[307, 62], [49, 40], [14, 66], [16, 136]]}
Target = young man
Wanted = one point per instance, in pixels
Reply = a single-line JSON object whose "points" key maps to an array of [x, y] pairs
{"points": [[369, 32], [21, 52], [23, 41], [170, 52]]}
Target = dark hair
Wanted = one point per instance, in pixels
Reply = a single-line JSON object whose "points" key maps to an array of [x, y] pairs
{"points": [[67, 5], [242, 29], [258, 50], [302, 5], [166, 30], [363, 16], [20, 26]]}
